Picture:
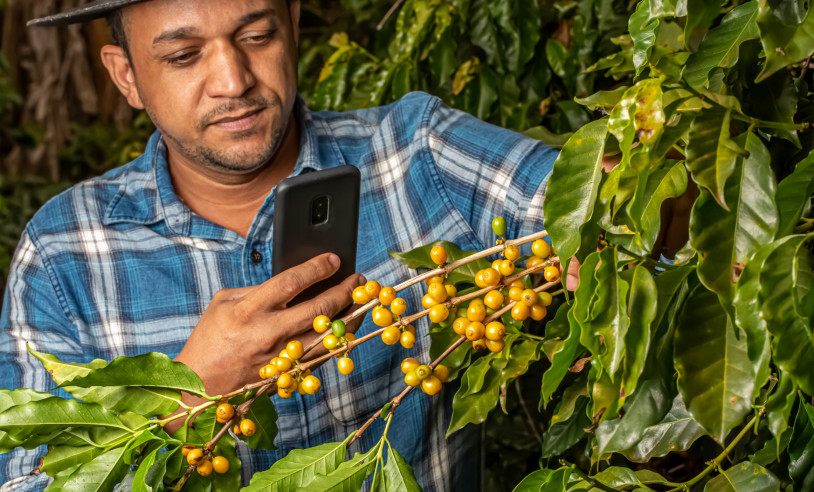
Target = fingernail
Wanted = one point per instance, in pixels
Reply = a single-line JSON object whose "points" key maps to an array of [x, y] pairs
{"points": [[360, 279], [335, 261]]}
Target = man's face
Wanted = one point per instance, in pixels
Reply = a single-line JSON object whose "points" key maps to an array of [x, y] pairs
{"points": [[218, 78]]}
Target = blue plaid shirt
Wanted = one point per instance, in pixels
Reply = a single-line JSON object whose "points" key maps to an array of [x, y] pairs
{"points": [[118, 265]]}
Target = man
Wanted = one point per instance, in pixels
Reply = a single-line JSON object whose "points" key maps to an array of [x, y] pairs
{"points": [[171, 252]]}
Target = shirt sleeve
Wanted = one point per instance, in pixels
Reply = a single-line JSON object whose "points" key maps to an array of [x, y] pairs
{"points": [[490, 171], [32, 314]]}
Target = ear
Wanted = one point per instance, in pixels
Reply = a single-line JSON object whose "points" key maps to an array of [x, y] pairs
{"points": [[294, 15], [121, 72]]}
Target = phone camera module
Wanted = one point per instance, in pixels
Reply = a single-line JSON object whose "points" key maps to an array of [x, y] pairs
{"points": [[319, 210]]}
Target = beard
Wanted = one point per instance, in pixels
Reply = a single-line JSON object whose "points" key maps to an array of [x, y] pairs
{"points": [[231, 161]]}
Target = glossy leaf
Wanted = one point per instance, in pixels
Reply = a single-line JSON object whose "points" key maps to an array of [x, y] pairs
{"points": [[712, 154], [420, 258], [639, 114], [603, 99], [64, 457], [562, 435], [348, 476], [153, 370], [397, 474], [744, 477], [573, 187], [12, 398], [264, 415], [99, 475], [793, 193], [726, 239], [676, 431], [642, 310], [54, 414], [478, 394], [440, 340], [299, 467], [785, 284], [621, 478], [643, 32], [563, 357], [714, 372], [609, 310], [721, 45], [784, 45], [780, 404], [545, 481], [801, 448]]}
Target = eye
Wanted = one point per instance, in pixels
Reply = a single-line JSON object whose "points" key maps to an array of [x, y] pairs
{"points": [[258, 38], [181, 59]]}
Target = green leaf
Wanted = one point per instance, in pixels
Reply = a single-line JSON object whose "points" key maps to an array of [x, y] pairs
{"points": [[744, 477], [61, 458], [545, 481], [621, 478], [62, 372], [603, 99], [714, 373], [675, 432], [55, 414], [100, 474], [231, 479], [793, 193], [420, 258], [785, 284], [443, 338], [639, 114], [711, 154], [562, 435], [784, 45], [299, 467], [397, 474], [573, 187], [478, 393], [801, 448], [721, 45], [773, 449], [348, 476], [643, 31], [778, 104], [700, 13], [264, 415], [140, 478], [12, 398], [726, 239], [780, 404], [153, 370], [563, 357], [609, 312], [642, 310]]}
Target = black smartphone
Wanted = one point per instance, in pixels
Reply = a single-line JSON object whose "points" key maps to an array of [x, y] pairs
{"points": [[316, 213]]}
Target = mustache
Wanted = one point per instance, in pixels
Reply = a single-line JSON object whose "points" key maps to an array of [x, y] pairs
{"points": [[235, 105]]}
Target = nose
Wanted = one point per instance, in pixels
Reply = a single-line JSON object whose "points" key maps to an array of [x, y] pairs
{"points": [[230, 73]]}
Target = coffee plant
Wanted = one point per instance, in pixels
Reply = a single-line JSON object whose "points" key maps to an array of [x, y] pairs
{"points": [[662, 370]]}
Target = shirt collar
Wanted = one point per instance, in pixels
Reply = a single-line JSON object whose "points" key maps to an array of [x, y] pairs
{"points": [[146, 195]]}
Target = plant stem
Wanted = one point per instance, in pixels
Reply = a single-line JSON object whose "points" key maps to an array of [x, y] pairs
{"points": [[718, 459], [581, 474], [529, 418], [645, 259]]}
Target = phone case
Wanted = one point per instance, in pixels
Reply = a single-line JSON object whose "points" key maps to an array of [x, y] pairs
{"points": [[299, 235]]}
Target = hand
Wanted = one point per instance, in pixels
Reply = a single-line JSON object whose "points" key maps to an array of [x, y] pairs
{"points": [[242, 329]]}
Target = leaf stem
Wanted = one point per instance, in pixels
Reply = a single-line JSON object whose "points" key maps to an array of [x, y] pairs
{"points": [[645, 259], [581, 474]]}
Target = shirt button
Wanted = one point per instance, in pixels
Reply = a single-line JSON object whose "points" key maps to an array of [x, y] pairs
{"points": [[256, 256]]}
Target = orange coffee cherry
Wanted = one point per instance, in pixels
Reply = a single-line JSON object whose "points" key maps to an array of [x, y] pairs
{"points": [[551, 273], [285, 381], [186, 449], [398, 306], [438, 292], [321, 324], [520, 311], [494, 299], [427, 301], [538, 312], [541, 249], [495, 345], [459, 326], [311, 384], [247, 427], [345, 365], [475, 331], [511, 252], [224, 412], [529, 297], [220, 464], [408, 340], [451, 290], [438, 254], [372, 289], [476, 310], [534, 261], [409, 364], [438, 313], [490, 277], [387, 295], [506, 268], [391, 335], [410, 379], [330, 341], [382, 316], [295, 349], [360, 295], [431, 385], [441, 372], [205, 468], [195, 456]]}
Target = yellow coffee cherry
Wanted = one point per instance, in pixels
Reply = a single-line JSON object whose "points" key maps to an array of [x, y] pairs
{"points": [[441, 372], [382, 316], [427, 301], [409, 364], [529, 297], [387, 295], [439, 313], [476, 310], [423, 371], [220, 464], [372, 289], [410, 379], [431, 385], [475, 331], [295, 349], [204, 468], [534, 261], [517, 284], [479, 344], [551, 273], [321, 324], [451, 290], [410, 328], [438, 254], [194, 456], [408, 340], [496, 264], [494, 299], [438, 292], [545, 298], [186, 449], [284, 353], [541, 249], [506, 268], [345, 365], [495, 345], [398, 306], [490, 277], [268, 371], [438, 278], [459, 325], [391, 335], [285, 381], [538, 312], [282, 364], [495, 331], [330, 341], [520, 311], [479, 280], [311, 384], [360, 295], [511, 252], [516, 294], [247, 427], [286, 393]]}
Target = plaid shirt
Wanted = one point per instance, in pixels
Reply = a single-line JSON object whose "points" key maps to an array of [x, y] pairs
{"points": [[118, 265]]}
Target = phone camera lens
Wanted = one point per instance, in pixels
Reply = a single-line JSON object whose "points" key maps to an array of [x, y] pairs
{"points": [[319, 210]]}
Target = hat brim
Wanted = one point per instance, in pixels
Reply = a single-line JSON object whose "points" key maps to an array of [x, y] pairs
{"points": [[84, 13]]}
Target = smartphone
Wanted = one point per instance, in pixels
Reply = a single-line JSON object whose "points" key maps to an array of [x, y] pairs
{"points": [[316, 213]]}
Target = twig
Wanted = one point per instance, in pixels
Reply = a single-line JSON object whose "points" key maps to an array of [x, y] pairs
{"points": [[389, 13], [529, 418]]}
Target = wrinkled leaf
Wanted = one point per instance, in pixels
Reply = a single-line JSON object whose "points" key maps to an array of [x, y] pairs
{"points": [[299, 467], [744, 477]]}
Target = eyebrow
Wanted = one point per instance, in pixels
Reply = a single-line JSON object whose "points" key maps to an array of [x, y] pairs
{"points": [[188, 32]]}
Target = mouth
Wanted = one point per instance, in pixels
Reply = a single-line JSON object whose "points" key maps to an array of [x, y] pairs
{"points": [[238, 123]]}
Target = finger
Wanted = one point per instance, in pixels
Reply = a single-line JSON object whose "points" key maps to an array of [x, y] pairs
{"points": [[280, 289], [572, 277], [330, 303]]}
